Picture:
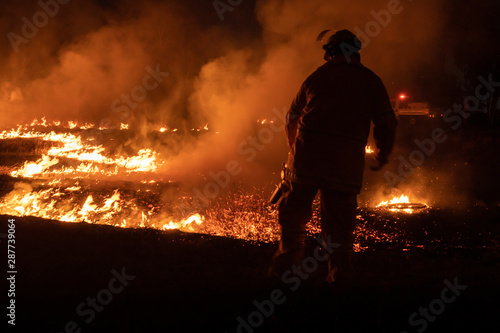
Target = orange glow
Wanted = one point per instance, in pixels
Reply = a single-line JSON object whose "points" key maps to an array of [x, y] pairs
{"points": [[403, 96]]}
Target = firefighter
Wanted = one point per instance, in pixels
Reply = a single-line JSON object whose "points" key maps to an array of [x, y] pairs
{"points": [[327, 129]]}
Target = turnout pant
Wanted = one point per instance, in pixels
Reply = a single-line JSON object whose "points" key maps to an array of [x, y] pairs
{"points": [[338, 219]]}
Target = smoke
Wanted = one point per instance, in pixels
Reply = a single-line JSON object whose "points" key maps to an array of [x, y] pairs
{"points": [[232, 91], [227, 74], [78, 76]]}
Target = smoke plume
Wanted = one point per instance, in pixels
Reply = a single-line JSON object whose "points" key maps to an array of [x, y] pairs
{"points": [[225, 74]]}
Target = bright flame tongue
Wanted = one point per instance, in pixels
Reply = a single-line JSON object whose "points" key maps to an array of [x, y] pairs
{"points": [[187, 223], [33, 168], [402, 199]]}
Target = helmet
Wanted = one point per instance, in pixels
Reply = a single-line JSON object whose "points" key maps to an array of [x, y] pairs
{"points": [[332, 45]]}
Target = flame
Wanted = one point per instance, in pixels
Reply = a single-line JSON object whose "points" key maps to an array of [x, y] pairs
{"points": [[35, 122], [88, 207], [401, 204], [402, 199], [32, 168], [112, 203], [87, 126], [186, 224], [369, 150]]}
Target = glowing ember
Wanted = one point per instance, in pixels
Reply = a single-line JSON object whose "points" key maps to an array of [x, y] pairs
{"points": [[369, 150], [265, 121]]}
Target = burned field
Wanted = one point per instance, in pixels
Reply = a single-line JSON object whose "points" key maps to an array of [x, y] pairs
{"points": [[87, 213]]}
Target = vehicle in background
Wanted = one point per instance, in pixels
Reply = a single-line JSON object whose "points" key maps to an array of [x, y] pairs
{"points": [[403, 107], [415, 119]]}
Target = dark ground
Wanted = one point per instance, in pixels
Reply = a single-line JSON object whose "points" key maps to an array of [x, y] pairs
{"points": [[198, 283]]}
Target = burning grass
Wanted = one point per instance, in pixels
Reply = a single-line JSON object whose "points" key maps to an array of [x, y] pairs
{"points": [[67, 176], [49, 186], [402, 204]]}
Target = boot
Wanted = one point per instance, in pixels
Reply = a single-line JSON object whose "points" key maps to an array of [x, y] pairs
{"points": [[290, 252], [340, 267]]}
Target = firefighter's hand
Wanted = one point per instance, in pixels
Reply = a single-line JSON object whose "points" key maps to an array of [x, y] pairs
{"points": [[376, 162]]}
